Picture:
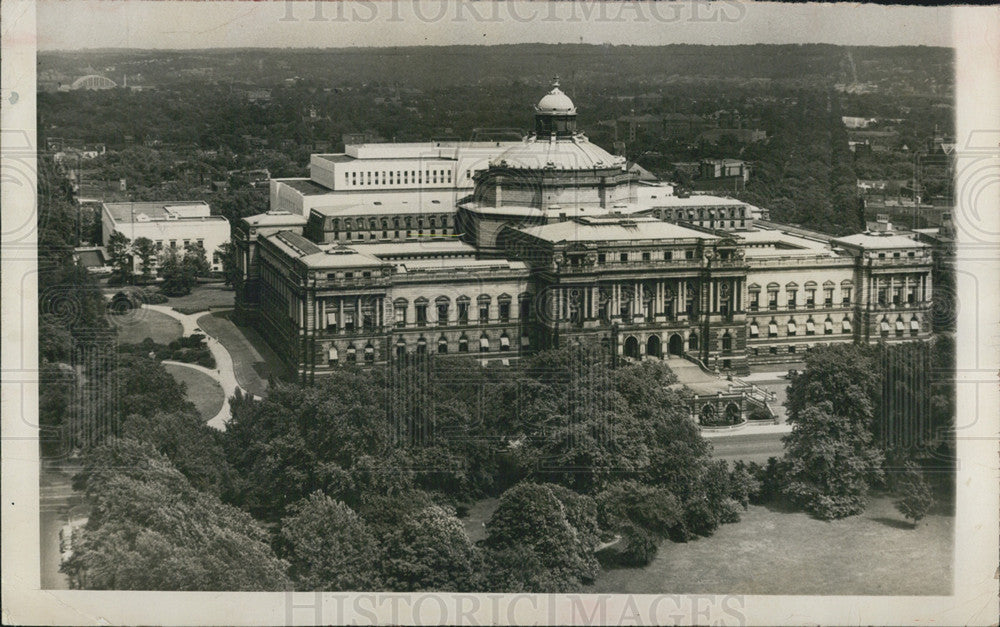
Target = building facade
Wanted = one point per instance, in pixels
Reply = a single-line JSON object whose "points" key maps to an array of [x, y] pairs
{"points": [[552, 240], [167, 224]]}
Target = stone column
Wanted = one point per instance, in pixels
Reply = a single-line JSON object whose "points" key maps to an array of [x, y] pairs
{"points": [[340, 315]]}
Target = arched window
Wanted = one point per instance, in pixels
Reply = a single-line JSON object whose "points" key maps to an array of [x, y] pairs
{"points": [[369, 353], [352, 354], [727, 342], [484, 343], [463, 344], [421, 346], [442, 345], [504, 342]]}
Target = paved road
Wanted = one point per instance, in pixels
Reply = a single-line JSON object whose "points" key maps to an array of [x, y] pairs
{"points": [[755, 447]]}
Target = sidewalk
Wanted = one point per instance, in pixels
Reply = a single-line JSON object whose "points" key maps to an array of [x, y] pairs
{"points": [[224, 374]]}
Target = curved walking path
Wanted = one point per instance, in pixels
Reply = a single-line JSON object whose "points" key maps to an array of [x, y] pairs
{"points": [[224, 375]]}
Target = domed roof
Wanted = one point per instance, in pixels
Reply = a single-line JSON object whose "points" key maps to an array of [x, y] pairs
{"points": [[556, 102], [567, 154]]}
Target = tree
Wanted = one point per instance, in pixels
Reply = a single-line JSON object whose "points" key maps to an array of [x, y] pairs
{"points": [[178, 277], [196, 259], [328, 546], [430, 551], [182, 436], [231, 265], [145, 250], [831, 461], [120, 252], [915, 498], [149, 529], [531, 519]]}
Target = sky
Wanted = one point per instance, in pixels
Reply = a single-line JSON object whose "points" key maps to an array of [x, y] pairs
{"points": [[186, 24]]}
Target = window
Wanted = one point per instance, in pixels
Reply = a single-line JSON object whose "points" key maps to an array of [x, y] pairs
{"points": [[421, 311], [484, 309], [810, 327], [884, 328], [667, 256], [772, 329], [484, 344], [727, 342], [828, 297], [792, 329], [331, 320], [790, 296], [914, 326], [754, 300], [463, 310], [689, 254], [623, 257], [828, 327], [882, 296], [369, 353], [442, 310], [352, 354], [504, 307], [442, 345], [846, 325], [754, 330], [421, 346], [810, 298], [601, 258], [332, 356], [646, 256], [504, 343], [846, 291], [772, 299]]}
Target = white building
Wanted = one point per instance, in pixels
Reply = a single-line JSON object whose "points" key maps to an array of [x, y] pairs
{"points": [[177, 224], [370, 173]]}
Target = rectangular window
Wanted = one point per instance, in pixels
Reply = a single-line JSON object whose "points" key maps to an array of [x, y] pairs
{"points": [[828, 297], [754, 301], [667, 256], [504, 312], [601, 258], [463, 313], [772, 300], [689, 254], [847, 296], [623, 257], [484, 314], [791, 295], [442, 310], [400, 313], [646, 256], [810, 298], [421, 314]]}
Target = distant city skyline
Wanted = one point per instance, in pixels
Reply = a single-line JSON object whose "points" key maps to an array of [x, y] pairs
{"points": [[168, 24]]}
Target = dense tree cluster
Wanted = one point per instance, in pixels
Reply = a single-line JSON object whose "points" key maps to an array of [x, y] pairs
{"points": [[857, 411]]}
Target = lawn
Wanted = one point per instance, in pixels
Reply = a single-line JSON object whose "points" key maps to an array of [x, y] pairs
{"points": [[204, 297], [202, 390], [781, 552], [139, 324]]}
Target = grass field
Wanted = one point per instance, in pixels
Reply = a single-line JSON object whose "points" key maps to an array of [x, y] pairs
{"points": [[202, 390], [203, 297], [780, 552], [253, 360], [142, 323]]}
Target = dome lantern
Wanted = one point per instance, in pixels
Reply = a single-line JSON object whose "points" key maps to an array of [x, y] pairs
{"points": [[555, 114]]}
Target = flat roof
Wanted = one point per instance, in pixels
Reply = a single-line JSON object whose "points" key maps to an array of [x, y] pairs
{"points": [[452, 264], [306, 186], [413, 203], [781, 244], [527, 211], [874, 241], [275, 218], [613, 228], [155, 209], [417, 247]]}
